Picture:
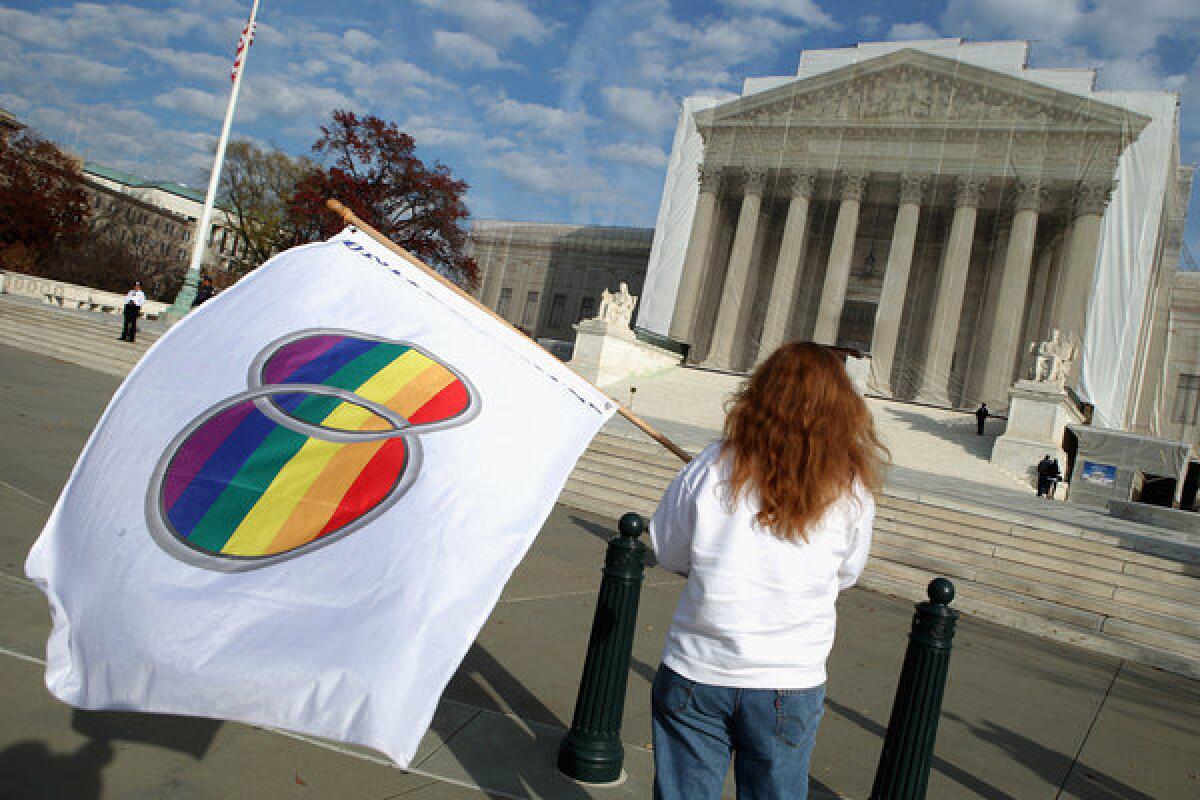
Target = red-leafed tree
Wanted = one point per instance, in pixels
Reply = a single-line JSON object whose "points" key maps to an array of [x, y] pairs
{"points": [[43, 207], [371, 166]]}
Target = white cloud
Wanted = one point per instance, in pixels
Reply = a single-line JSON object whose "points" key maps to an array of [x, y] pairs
{"points": [[649, 111], [905, 31], [642, 155], [547, 120], [448, 130], [359, 41], [547, 172], [466, 50], [77, 69], [197, 66], [804, 10], [199, 103], [499, 22], [870, 24]]}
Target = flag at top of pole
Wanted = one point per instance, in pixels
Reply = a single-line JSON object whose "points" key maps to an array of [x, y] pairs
{"points": [[187, 294], [244, 42]]}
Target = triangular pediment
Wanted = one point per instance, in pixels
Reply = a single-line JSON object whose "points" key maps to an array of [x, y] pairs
{"points": [[913, 88]]}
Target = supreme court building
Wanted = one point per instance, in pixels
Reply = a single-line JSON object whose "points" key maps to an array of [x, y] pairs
{"points": [[940, 206]]}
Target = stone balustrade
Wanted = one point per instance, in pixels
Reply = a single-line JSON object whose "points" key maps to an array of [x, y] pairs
{"points": [[69, 295]]}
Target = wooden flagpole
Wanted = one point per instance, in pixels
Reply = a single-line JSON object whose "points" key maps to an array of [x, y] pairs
{"points": [[352, 219]]}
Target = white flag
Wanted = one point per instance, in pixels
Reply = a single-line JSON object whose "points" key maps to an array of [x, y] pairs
{"points": [[301, 506]]}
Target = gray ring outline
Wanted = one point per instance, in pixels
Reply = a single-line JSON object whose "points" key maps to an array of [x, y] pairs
{"points": [[175, 545], [254, 379]]}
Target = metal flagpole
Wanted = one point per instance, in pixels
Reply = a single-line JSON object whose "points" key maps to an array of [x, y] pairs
{"points": [[187, 294]]}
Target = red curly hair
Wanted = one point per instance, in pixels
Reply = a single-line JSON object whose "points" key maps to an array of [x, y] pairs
{"points": [[800, 436]]}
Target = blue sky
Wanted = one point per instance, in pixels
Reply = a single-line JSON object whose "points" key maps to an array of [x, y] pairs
{"points": [[552, 111]]}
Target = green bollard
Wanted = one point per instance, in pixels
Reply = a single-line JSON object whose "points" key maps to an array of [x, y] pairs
{"points": [[903, 772], [592, 751]]}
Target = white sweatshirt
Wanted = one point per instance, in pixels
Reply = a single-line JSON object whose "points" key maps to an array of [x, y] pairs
{"points": [[757, 611]]}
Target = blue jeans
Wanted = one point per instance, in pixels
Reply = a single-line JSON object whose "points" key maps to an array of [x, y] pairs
{"points": [[770, 734]]}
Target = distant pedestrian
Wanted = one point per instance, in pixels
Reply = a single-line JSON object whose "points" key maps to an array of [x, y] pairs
{"points": [[204, 291], [1048, 475], [133, 308], [768, 525], [981, 415]]}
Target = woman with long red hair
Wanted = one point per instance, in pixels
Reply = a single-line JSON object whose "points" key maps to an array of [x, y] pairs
{"points": [[768, 525]]}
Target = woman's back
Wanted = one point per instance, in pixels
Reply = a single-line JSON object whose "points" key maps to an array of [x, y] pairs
{"points": [[758, 610]]}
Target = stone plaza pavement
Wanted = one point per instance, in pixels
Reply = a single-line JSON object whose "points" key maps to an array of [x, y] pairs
{"points": [[1023, 718]]}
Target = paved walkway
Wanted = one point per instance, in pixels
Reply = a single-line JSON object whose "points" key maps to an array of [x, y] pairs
{"points": [[1023, 718]]}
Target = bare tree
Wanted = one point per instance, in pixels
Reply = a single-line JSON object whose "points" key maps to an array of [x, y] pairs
{"points": [[257, 187]]}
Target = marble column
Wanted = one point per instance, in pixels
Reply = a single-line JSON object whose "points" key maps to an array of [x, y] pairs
{"points": [[837, 273], [943, 331], [1014, 287], [788, 266], [1051, 254], [734, 310], [981, 339], [895, 283], [696, 261], [1075, 286]]}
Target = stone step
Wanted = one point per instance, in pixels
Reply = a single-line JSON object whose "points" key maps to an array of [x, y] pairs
{"points": [[1100, 587], [604, 453], [602, 502], [66, 320], [952, 568], [106, 345], [1092, 549], [1085, 595], [601, 477], [641, 449], [1149, 594], [909, 583], [1101, 556], [108, 364], [63, 325]]}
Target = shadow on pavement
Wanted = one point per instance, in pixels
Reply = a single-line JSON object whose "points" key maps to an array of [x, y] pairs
{"points": [[503, 752], [956, 774], [959, 433], [30, 769], [1055, 768]]}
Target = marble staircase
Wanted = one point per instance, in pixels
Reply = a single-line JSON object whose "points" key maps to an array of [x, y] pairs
{"points": [[1129, 595], [79, 337]]}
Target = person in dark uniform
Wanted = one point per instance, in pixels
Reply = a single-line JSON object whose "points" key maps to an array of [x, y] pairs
{"points": [[981, 415], [204, 291], [1048, 474], [133, 308]]}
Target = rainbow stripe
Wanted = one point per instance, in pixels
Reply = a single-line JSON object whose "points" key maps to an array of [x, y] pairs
{"points": [[242, 485]]}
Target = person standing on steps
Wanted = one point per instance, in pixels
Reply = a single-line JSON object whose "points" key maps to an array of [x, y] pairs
{"points": [[204, 292], [1048, 475], [769, 525], [981, 415], [133, 308]]}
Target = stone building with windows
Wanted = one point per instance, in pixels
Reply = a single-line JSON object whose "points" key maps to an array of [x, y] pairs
{"points": [[161, 213], [942, 207], [544, 277]]}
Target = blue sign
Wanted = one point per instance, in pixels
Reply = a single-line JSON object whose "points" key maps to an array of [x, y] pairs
{"points": [[1099, 474]]}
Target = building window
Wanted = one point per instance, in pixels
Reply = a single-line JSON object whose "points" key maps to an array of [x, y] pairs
{"points": [[557, 306], [505, 301], [1187, 400], [587, 309], [531, 301]]}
